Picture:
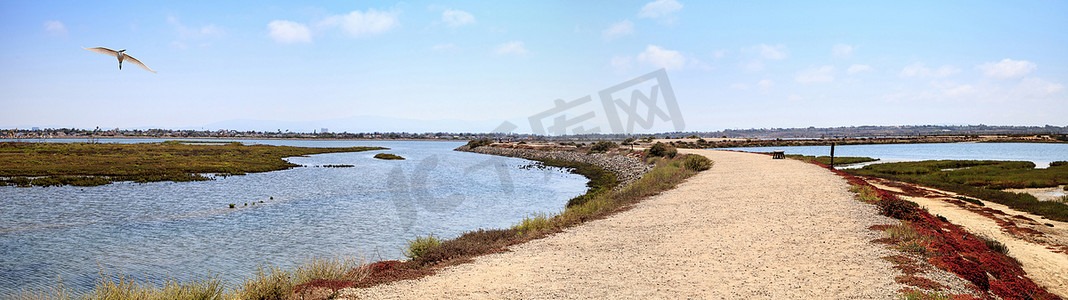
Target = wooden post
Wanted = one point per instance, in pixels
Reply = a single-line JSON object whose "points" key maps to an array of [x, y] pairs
{"points": [[832, 155]]}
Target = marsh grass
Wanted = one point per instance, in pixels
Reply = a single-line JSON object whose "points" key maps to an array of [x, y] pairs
{"points": [[539, 222], [909, 239], [84, 164], [864, 193], [982, 180], [838, 160]]}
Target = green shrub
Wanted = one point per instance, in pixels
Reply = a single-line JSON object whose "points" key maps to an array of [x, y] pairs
{"points": [[662, 150], [603, 146], [628, 141], [479, 143], [535, 223], [696, 162], [418, 246], [1058, 163]]}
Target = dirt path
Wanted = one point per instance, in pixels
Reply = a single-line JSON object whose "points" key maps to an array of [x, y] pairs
{"points": [[751, 227]]}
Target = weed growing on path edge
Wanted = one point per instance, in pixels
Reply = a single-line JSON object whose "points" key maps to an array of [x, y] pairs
{"points": [[419, 245]]}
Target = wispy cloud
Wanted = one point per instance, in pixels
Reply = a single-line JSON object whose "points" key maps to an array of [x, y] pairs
{"points": [[625, 27], [664, 58], [186, 32], [513, 47], [289, 32], [857, 68], [55, 27], [444, 47], [663, 10], [1007, 68], [816, 75], [842, 50], [920, 70], [456, 17], [360, 24]]}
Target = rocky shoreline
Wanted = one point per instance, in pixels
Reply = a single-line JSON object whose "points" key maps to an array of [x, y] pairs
{"points": [[627, 168]]}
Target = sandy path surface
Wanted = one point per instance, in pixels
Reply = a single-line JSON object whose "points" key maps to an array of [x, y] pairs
{"points": [[751, 227], [1043, 265]]}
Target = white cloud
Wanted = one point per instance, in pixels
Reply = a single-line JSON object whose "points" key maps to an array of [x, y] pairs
{"points": [[765, 84], [55, 27], [858, 68], [740, 86], [444, 47], [960, 90], [795, 98], [185, 32], [1007, 68], [1038, 88], [719, 54], [359, 24], [842, 50], [289, 32], [513, 47], [660, 57], [776, 52], [625, 27], [621, 63], [921, 71], [814, 75], [660, 9], [456, 17]]}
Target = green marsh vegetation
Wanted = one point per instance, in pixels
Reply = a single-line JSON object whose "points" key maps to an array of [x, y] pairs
{"points": [[267, 282], [982, 179], [388, 156], [85, 164], [842, 160]]}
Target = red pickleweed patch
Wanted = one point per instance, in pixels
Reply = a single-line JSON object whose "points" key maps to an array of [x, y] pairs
{"points": [[880, 227], [919, 282], [957, 251]]}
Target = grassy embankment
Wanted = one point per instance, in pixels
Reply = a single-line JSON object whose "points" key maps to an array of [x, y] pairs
{"points": [[83, 164], [844, 160], [267, 283], [982, 179], [429, 252]]}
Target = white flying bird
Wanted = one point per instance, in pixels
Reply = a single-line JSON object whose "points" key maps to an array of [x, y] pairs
{"points": [[120, 55]]}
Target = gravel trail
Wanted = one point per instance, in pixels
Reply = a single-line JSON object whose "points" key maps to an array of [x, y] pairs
{"points": [[750, 227]]}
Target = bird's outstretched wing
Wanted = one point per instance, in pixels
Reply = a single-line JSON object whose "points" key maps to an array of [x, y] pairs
{"points": [[137, 62], [104, 51]]}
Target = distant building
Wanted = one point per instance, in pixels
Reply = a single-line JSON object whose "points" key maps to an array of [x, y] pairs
{"points": [[324, 130]]}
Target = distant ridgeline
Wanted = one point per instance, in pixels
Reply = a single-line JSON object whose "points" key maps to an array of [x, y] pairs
{"points": [[758, 133]]}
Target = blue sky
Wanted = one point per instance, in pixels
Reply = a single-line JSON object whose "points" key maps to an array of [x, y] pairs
{"points": [[731, 65]]}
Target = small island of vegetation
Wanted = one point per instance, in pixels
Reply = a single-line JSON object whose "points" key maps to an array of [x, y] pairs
{"points": [[91, 164], [388, 156]]}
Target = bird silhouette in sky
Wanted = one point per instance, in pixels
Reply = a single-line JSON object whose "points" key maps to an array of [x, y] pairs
{"points": [[121, 55]]}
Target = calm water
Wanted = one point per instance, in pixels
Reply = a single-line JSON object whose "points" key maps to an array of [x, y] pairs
{"points": [[184, 230], [1040, 154]]}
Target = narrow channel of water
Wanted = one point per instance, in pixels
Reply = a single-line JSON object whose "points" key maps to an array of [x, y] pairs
{"points": [[1039, 153]]}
